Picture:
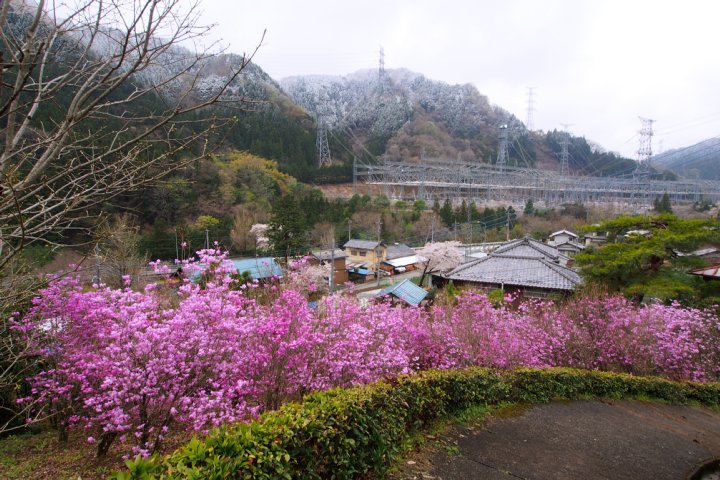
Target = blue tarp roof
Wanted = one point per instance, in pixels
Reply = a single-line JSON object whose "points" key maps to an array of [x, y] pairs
{"points": [[259, 268], [406, 291], [363, 271]]}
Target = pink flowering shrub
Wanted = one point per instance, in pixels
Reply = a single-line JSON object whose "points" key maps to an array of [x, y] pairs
{"points": [[133, 365]]}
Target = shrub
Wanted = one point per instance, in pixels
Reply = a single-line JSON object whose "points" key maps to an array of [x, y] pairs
{"points": [[353, 432]]}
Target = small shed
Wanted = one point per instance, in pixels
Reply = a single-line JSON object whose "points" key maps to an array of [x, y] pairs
{"points": [[406, 291]]}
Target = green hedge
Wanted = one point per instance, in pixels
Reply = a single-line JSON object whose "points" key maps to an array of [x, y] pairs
{"points": [[345, 433]]}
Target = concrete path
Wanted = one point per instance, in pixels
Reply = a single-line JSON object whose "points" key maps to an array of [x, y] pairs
{"points": [[578, 440]]}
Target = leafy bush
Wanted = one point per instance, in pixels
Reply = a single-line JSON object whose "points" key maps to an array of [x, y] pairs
{"points": [[346, 433], [136, 366]]}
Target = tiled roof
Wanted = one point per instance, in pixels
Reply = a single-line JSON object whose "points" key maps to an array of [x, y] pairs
{"points": [[398, 250], [362, 244], [516, 270], [527, 247], [327, 254], [406, 291], [575, 246], [561, 232]]}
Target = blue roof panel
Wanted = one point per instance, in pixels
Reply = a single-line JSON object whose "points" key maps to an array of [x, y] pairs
{"points": [[406, 291], [259, 268]]}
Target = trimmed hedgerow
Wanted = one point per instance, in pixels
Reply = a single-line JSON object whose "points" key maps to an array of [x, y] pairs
{"points": [[346, 433]]}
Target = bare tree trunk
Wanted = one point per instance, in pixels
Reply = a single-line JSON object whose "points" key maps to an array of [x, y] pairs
{"points": [[105, 441]]}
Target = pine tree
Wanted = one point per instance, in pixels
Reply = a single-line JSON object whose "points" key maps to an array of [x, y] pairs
{"points": [[664, 205], [461, 213], [529, 207], [287, 229], [447, 213], [436, 207]]}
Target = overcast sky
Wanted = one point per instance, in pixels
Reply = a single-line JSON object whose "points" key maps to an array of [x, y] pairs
{"points": [[596, 65]]}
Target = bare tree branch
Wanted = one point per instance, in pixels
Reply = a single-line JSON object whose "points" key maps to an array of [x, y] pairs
{"points": [[95, 101], [97, 98]]}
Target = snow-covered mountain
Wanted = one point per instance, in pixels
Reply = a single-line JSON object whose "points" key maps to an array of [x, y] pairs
{"points": [[404, 114], [701, 160]]}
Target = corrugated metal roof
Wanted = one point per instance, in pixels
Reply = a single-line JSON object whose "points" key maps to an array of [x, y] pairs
{"points": [[350, 265], [361, 244], [521, 271], [712, 271], [406, 291], [398, 250], [259, 268], [405, 261]]}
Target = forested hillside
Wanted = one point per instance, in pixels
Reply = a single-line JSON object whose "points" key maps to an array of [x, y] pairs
{"points": [[701, 160], [405, 115]]}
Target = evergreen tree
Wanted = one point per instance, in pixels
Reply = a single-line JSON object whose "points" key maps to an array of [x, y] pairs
{"points": [[663, 205], [474, 213], [649, 265], [447, 213], [436, 207], [461, 213], [288, 228], [529, 207]]}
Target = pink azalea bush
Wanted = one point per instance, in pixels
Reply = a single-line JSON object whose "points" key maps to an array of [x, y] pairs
{"points": [[134, 365]]}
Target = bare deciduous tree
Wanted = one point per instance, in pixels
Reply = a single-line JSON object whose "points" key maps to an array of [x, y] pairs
{"points": [[118, 252], [440, 257], [97, 98]]}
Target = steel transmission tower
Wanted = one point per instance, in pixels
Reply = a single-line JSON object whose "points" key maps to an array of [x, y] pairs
{"points": [[564, 154], [381, 69], [321, 143], [530, 124], [503, 157], [645, 150]]}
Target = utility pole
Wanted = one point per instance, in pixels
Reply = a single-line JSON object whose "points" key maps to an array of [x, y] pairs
{"points": [[377, 253], [177, 252], [207, 239], [349, 229], [455, 231], [432, 230], [507, 229], [332, 267], [355, 173]]}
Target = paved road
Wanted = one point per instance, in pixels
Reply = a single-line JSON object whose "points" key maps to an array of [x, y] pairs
{"points": [[579, 440]]}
